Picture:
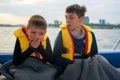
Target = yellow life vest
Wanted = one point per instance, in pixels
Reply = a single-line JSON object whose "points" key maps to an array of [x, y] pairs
{"points": [[68, 41], [24, 41]]}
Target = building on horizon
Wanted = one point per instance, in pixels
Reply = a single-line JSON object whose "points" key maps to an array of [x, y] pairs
{"points": [[102, 21], [56, 23], [86, 20]]}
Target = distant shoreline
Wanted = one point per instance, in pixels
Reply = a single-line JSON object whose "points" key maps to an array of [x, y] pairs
{"points": [[93, 26]]}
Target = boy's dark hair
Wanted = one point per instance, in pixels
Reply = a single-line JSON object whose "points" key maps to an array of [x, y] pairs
{"points": [[79, 10], [38, 21]]}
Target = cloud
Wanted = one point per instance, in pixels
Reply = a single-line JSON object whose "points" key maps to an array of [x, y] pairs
{"points": [[24, 2], [54, 9], [7, 18]]}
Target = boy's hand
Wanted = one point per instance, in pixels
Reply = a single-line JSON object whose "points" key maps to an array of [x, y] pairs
{"points": [[35, 43], [65, 50]]}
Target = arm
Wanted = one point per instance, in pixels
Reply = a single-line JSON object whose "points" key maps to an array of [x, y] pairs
{"points": [[47, 54], [58, 50], [94, 48], [18, 56]]}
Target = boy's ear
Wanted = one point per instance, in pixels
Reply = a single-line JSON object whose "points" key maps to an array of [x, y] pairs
{"points": [[82, 17], [45, 31]]}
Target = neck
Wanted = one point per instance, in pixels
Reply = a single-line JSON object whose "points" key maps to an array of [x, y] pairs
{"points": [[78, 30]]}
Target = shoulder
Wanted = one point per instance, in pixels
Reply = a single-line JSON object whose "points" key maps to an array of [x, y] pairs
{"points": [[59, 34], [93, 35]]}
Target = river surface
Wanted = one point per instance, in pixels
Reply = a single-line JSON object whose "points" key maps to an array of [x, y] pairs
{"points": [[106, 38]]}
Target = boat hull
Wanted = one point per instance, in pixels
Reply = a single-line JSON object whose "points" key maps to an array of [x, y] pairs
{"points": [[113, 57]]}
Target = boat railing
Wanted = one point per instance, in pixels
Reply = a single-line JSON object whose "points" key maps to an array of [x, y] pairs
{"points": [[116, 45]]}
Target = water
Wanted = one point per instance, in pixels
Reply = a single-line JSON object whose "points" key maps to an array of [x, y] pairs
{"points": [[106, 38]]}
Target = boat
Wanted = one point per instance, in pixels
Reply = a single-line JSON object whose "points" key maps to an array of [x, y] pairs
{"points": [[5, 56], [112, 56]]}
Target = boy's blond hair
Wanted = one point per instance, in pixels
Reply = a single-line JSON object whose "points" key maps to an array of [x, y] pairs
{"points": [[37, 21]]}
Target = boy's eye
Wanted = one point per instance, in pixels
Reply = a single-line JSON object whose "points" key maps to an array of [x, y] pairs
{"points": [[33, 32], [41, 33], [71, 17]]}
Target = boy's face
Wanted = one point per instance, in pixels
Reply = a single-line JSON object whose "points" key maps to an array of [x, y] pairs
{"points": [[36, 33], [72, 20]]}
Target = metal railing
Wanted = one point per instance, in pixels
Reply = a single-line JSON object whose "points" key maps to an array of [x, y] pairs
{"points": [[116, 44]]}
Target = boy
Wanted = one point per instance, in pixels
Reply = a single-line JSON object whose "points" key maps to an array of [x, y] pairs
{"points": [[32, 41], [76, 50], [76, 40], [32, 53]]}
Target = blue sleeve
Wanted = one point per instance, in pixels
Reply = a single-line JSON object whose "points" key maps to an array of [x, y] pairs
{"points": [[94, 47], [57, 50], [18, 56]]}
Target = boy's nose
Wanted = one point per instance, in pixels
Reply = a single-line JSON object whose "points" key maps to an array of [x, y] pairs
{"points": [[37, 35], [67, 21]]}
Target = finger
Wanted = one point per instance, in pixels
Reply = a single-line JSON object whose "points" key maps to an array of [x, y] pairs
{"points": [[34, 41]]}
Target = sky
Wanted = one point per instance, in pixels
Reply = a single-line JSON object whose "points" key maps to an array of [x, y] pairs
{"points": [[19, 11]]}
